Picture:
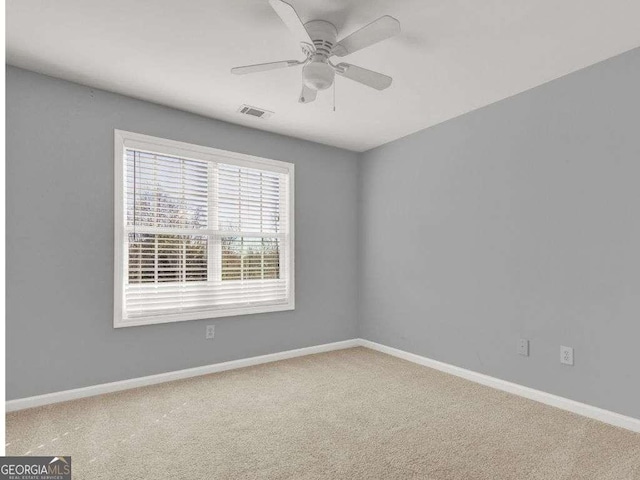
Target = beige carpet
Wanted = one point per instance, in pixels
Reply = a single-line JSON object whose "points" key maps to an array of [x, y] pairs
{"points": [[350, 414]]}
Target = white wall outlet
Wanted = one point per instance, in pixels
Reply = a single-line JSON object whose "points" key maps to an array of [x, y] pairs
{"points": [[211, 330], [523, 347], [566, 355]]}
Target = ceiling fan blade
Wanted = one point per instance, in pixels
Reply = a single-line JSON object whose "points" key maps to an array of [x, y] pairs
{"points": [[291, 19], [262, 67], [307, 95], [362, 75], [378, 30]]}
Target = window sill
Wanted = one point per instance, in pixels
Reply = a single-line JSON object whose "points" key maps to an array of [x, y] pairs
{"points": [[202, 315]]}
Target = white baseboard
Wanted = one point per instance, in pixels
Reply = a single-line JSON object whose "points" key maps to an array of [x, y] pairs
{"points": [[66, 395], [583, 409]]}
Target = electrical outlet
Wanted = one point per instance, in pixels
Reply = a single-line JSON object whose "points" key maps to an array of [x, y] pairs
{"points": [[523, 347], [210, 332], [566, 355]]}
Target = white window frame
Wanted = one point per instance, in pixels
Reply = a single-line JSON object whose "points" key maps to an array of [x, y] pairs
{"points": [[128, 140]]}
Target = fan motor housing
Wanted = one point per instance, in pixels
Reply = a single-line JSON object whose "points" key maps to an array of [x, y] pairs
{"points": [[323, 34], [318, 74]]}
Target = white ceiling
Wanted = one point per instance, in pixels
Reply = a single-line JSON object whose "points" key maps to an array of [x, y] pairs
{"points": [[452, 56]]}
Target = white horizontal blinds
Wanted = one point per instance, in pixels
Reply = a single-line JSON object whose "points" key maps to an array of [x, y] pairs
{"points": [[170, 192], [157, 258], [165, 196], [249, 200], [252, 213], [202, 235], [245, 258]]}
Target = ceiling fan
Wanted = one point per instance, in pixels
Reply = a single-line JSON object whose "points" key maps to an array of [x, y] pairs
{"points": [[318, 40]]}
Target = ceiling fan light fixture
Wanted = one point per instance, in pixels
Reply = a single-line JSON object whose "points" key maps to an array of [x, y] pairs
{"points": [[318, 75]]}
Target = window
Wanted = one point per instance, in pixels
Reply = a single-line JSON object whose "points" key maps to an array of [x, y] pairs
{"points": [[199, 232]]}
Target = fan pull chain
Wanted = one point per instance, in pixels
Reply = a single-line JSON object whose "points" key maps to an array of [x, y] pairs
{"points": [[334, 95]]}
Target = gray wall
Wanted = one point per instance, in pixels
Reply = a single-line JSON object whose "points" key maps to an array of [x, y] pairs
{"points": [[520, 219], [60, 242]]}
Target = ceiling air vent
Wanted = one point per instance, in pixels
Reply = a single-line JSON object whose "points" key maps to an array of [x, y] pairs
{"points": [[254, 111]]}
